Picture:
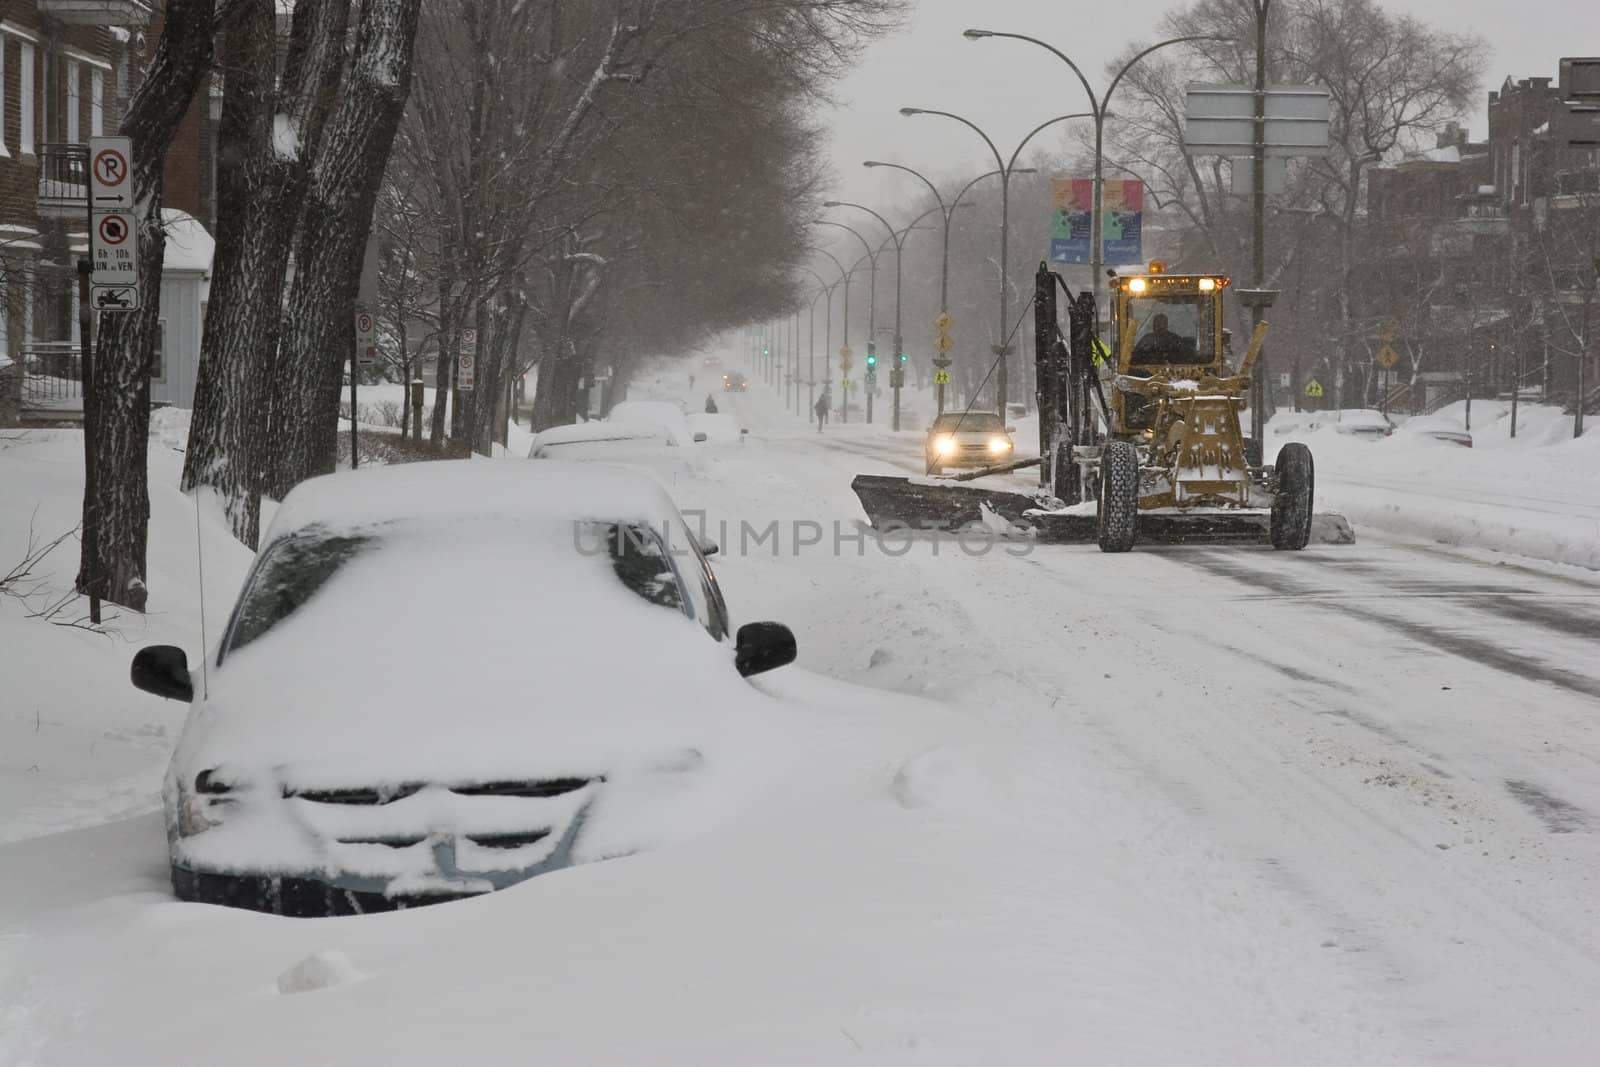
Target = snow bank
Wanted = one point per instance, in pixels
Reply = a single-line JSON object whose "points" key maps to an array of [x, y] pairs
{"points": [[1535, 495]]}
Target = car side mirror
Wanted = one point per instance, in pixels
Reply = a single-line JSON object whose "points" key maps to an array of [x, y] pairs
{"points": [[699, 437], [707, 547], [763, 646], [1011, 429], [164, 671]]}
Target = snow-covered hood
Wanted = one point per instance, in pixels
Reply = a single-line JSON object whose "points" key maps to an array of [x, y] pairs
{"points": [[472, 659]]}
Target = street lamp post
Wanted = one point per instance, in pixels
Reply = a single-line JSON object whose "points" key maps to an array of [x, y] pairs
{"points": [[1100, 113], [825, 289], [872, 293], [942, 360], [1002, 349], [844, 276]]}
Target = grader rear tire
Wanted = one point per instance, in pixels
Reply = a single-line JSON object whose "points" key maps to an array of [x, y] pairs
{"points": [[1117, 519], [1291, 508]]}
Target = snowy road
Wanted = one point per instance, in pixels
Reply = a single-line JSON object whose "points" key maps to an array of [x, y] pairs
{"points": [[1212, 806], [1401, 738]]}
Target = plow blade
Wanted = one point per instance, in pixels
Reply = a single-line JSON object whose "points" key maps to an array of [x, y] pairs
{"points": [[904, 503]]}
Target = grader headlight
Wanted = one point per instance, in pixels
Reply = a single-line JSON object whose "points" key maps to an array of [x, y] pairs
{"points": [[1136, 285], [1207, 284]]}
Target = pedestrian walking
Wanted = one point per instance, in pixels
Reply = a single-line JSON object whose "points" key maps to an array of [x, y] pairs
{"points": [[824, 402]]}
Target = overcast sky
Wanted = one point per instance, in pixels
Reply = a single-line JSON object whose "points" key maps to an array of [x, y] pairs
{"points": [[1008, 87]]}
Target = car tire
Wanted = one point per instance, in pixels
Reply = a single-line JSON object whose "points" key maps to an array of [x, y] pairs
{"points": [[1292, 502], [1117, 517]]}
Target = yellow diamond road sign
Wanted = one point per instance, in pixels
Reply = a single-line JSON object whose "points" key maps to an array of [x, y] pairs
{"points": [[1386, 333], [1387, 357], [845, 352], [1313, 388], [943, 343], [943, 321], [941, 377]]}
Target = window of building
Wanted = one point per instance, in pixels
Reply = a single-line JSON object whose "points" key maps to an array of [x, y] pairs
{"points": [[97, 102], [74, 101], [25, 97]]}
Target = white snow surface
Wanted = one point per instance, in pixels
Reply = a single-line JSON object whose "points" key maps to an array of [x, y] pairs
{"points": [[1209, 807]]}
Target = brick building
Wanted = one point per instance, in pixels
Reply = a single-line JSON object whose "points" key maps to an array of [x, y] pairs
{"points": [[1490, 251], [67, 71]]}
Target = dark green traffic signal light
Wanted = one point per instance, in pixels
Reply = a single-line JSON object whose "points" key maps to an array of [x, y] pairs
{"points": [[872, 359], [902, 357]]}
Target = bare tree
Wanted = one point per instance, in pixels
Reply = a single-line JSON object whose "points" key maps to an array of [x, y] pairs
{"points": [[340, 192], [116, 501]]}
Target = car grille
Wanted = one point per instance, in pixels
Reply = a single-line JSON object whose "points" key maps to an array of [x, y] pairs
{"points": [[512, 840], [544, 787]]}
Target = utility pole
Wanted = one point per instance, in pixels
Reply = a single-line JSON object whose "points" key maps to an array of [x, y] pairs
{"points": [[1258, 236]]}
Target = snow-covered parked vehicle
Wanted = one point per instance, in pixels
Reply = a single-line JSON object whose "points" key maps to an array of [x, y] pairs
{"points": [[444, 679]]}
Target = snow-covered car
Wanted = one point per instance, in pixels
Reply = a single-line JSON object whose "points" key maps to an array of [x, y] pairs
{"points": [[1369, 425], [657, 413], [643, 446], [441, 680], [1437, 428], [970, 439]]}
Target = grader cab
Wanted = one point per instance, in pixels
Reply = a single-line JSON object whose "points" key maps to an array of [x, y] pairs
{"points": [[1140, 433]]}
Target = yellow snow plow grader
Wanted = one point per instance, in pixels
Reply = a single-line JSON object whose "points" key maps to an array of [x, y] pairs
{"points": [[1140, 438]]}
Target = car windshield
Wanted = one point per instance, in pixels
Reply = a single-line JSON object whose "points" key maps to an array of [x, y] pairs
{"points": [[1173, 328], [971, 422], [295, 569], [288, 575]]}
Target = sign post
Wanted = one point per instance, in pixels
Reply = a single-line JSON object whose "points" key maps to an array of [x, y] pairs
{"points": [[108, 281], [1271, 123], [113, 226]]}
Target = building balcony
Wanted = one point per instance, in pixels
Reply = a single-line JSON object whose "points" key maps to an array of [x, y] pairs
{"points": [[63, 181], [97, 12]]}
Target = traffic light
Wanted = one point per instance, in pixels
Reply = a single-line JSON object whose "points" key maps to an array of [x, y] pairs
{"points": [[903, 357], [872, 354]]}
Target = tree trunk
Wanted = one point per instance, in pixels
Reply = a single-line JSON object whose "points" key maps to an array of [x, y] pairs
{"points": [[258, 190], [228, 434], [339, 199], [116, 503], [444, 374]]}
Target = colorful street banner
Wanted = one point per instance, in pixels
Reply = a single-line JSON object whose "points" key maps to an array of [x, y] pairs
{"points": [[1072, 206]]}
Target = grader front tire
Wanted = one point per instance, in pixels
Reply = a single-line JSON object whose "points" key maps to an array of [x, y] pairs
{"points": [[1291, 507], [1118, 514]]}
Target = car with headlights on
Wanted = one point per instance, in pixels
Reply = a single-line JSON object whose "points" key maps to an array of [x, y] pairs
{"points": [[443, 679], [968, 439]]}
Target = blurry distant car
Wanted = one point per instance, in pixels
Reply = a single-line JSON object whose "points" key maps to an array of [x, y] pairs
{"points": [[974, 439], [733, 382], [711, 361], [1366, 424], [366, 741], [1438, 429], [1015, 411]]}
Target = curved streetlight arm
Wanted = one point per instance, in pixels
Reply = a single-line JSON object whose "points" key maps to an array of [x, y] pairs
{"points": [[999, 160], [1129, 65], [973, 35], [829, 222], [862, 207], [934, 189], [842, 272], [1039, 129], [968, 187]]}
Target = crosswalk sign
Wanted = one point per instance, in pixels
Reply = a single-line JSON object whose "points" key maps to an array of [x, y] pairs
{"points": [[1313, 388], [941, 377]]}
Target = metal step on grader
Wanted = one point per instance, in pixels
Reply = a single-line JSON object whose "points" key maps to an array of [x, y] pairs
{"points": [[1139, 439]]}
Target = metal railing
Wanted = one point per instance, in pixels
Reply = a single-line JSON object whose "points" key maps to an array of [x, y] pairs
{"points": [[64, 176], [52, 379]]}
